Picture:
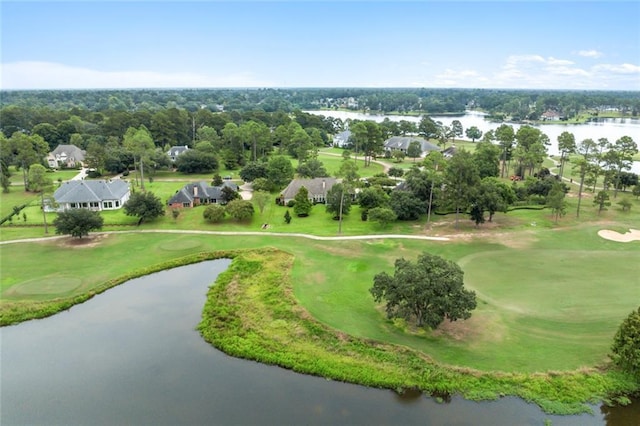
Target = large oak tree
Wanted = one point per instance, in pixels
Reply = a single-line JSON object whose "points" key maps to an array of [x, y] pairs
{"points": [[427, 291]]}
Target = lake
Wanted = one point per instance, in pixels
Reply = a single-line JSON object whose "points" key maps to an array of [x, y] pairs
{"points": [[132, 356], [610, 128]]}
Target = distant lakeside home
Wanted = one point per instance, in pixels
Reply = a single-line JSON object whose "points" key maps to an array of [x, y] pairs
{"points": [[95, 195], [317, 188], [199, 193], [66, 156]]}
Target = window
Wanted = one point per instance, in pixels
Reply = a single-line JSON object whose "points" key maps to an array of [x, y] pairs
{"points": [[117, 203], [186, 205], [94, 204], [85, 205], [108, 204], [73, 205]]}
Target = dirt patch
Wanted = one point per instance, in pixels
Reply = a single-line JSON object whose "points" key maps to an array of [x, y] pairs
{"points": [[79, 243], [632, 235], [478, 328]]}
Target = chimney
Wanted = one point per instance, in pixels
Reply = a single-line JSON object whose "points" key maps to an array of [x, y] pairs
{"points": [[195, 191], [324, 184]]}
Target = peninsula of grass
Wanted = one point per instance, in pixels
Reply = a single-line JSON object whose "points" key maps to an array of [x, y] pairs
{"points": [[251, 313]]}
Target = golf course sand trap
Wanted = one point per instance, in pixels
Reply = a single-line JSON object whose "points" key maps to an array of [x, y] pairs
{"points": [[632, 235]]}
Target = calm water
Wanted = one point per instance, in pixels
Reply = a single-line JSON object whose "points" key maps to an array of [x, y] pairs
{"points": [[132, 356], [612, 129]]}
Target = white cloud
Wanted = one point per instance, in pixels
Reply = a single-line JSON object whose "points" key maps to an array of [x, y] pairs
{"points": [[618, 68], [589, 53], [47, 75]]}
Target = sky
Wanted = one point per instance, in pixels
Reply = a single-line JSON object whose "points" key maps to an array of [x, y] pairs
{"points": [[581, 45]]}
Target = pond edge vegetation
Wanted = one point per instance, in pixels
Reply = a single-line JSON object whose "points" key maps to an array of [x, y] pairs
{"points": [[251, 313]]}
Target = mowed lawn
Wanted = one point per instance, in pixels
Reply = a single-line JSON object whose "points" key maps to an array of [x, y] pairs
{"points": [[538, 309]]}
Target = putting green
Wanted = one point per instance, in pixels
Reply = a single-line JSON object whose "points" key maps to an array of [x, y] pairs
{"points": [[50, 285], [557, 285]]}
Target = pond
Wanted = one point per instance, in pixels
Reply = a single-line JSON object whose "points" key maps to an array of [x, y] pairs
{"points": [[132, 356]]}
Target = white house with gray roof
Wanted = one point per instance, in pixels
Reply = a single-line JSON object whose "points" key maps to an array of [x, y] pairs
{"points": [[92, 194], [175, 151]]}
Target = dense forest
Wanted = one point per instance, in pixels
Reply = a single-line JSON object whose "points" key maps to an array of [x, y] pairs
{"points": [[518, 104]]}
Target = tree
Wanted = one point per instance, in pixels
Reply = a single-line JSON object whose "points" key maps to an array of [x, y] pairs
{"points": [[505, 136], [636, 191], [348, 171], [395, 172], [302, 206], [228, 194], [253, 171], [260, 198], [145, 206], [626, 204], [556, 200], [414, 150], [339, 200], [428, 128], [312, 168], [287, 217], [372, 197], [140, 143], [566, 146], [487, 159], [461, 178], [456, 129], [214, 213], [382, 215], [279, 171], [406, 205], [473, 133], [40, 182], [194, 161], [586, 149], [427, 291], [240, 209], [602, 201], [625, 148], [78, 222], [625, 351]]}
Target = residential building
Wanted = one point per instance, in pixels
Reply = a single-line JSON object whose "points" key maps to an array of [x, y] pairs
{"points": [[199, 193], [175, 151], [317, 188], [91, 194], [66, 156], [401, 143]]}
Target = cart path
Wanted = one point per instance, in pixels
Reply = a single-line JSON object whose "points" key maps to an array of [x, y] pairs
{"points": [[248, 233]]}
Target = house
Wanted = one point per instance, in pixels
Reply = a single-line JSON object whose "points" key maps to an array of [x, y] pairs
{"points": [[174, 151], [195, 194], [317, 187], [91, 194], [66, 156], [401, 143], [341, 140], [550, 116], [449, 152]]}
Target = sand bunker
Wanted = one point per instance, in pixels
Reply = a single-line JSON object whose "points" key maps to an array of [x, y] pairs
{"points": [[632, 235]]}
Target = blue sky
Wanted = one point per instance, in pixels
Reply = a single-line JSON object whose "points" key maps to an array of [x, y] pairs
{"points": [[474, 44]]}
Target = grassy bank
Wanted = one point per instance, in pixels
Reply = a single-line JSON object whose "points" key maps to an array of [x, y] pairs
{"points": [[252, 313]]}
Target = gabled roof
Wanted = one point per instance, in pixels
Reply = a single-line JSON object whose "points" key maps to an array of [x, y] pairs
{"points": [[316, 186], [177, 150], [403, 142], [69, 151], [84, 191], [187, 193]]}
